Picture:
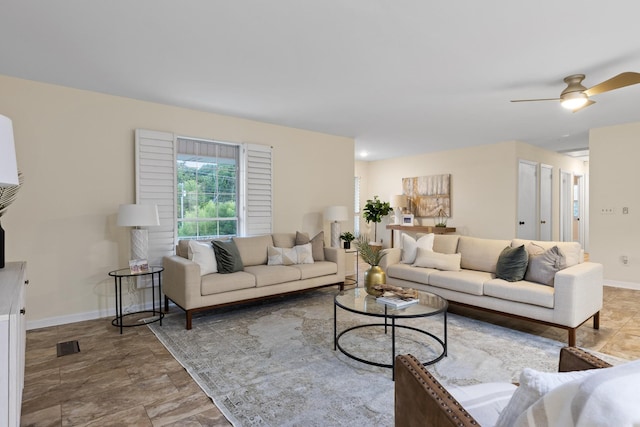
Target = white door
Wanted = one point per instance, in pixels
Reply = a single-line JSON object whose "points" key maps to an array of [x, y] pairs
{"points": [[527, 227], [578, 209], [566, 206], [546, 177]]}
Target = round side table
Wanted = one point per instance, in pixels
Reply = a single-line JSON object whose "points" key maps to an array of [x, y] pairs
{"points": [[118, 275]]}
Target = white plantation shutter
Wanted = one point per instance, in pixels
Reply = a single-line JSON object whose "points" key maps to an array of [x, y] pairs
{"points": [[257, 190], [156, 184]]}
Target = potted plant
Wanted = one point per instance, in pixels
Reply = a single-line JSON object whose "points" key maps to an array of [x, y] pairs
{"points": [[372, 256], [441, 219], [348, 238], [374, 210]]}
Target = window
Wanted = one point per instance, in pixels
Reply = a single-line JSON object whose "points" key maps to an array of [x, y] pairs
{"points": [[204, 187], [207, 189]]}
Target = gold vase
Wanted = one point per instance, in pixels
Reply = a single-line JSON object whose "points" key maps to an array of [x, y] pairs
{"points": [[372, 277]]}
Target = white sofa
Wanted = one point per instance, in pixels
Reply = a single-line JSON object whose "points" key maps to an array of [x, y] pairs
{"points": [[574, 297], [185, 285]]}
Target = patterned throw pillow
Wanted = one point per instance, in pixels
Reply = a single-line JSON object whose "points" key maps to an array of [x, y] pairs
{"points": [[281, 256], [512, 264], [317, 244]]}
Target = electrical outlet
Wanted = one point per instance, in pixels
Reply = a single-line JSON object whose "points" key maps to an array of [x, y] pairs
{"points": [[624, 259], [607, 211]]}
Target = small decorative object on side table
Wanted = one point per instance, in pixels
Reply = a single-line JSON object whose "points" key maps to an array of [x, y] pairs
{"points": [[117, 275]]}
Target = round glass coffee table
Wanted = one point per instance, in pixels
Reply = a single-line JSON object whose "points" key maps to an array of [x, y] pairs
{"points": [[359, 302]]}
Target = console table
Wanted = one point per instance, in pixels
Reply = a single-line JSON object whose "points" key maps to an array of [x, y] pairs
{"points": [[13, 278], [419, 229]]}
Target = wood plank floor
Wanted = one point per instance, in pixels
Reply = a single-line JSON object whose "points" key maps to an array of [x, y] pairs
{"points": [[132, 380]]}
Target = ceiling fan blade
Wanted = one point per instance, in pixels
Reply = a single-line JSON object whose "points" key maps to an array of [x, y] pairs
{"points": [[533, 100], [589, 102], [621, 80]]}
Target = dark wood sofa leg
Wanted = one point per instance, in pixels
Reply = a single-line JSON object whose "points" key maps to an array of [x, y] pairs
{"points": [[572, 337], [166, 304], [188, 313], [596, 320]]}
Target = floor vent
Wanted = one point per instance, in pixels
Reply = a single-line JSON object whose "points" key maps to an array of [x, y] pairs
{"points": [[68, 347]]}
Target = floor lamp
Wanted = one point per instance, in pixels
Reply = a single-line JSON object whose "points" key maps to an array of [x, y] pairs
{"points": [[8, 173], [336, 214], [138, 216]]}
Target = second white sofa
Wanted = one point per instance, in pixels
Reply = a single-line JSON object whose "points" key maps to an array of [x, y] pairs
{"points": [[465, 274]]}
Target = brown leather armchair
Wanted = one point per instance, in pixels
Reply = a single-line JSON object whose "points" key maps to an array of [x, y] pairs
{"points": [[420, 400]]}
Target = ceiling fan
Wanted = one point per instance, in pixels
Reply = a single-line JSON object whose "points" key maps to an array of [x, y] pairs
{"points": [[576, 97]]}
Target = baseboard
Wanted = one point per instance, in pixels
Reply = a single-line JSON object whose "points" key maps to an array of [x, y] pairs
{"points": [[81, 317], [620, 284]]}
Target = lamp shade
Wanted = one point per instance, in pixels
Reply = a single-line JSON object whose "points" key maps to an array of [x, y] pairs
{"points": [[138, 215], [336, 213], [8, 165], [399, 201]]}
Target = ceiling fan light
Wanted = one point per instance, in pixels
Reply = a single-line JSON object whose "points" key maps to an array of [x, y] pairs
{"points": [[574, 100]]}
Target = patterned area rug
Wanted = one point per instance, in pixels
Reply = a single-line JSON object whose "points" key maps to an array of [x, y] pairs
{"points": [[273, 363]]}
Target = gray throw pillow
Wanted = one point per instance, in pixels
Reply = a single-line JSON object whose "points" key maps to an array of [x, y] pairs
{"points": [[543, 267], [227, 256], [512, 264], [317, 244]]}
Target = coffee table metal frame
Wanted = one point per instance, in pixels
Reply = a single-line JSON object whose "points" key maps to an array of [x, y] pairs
{"points": [[389, 313]]}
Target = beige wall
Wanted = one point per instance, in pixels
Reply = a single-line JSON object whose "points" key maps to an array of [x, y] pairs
{"points": [[75, 149], [483, 184], [614, 178]]}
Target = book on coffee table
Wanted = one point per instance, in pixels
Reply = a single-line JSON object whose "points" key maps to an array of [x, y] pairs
{"points": [[395, 301]]}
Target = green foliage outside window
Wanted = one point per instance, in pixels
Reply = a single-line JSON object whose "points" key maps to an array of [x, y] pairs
{"points": [[206, 198]]}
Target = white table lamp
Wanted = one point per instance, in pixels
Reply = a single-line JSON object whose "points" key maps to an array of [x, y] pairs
{"points": [[399, 202], [8, 164], [336, 214], [138, 216]]}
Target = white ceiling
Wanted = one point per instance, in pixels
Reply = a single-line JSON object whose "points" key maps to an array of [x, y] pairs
{"points": [[399, 76]]}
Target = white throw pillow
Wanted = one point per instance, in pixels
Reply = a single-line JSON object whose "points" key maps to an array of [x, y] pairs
{"points": [[304, 254], [533, 385], [410, 246], [202, 254], [281, 256], [606, 397], [430, 259]]}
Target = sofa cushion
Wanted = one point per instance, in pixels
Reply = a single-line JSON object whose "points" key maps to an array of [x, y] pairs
{"points": [[227, 256], [317, 244], [407, 272], [281, 256], [253, 250], [430, 259], [512, 263], [202, 254], [410, 246], [182, 248], [485, 402], [317, 269], [544, 264], [480, 254], [533, 385], [522, 291], [571, 250], [218, 283], [467, 281], [446, 243], [284, 240], [273, 274]]}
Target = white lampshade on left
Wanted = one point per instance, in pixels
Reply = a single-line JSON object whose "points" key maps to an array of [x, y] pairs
{"points": [[138, 215], [336, 214], [8, 164]]}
